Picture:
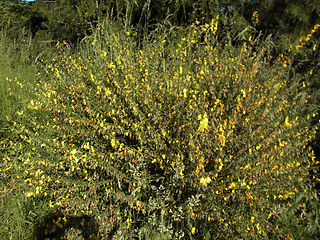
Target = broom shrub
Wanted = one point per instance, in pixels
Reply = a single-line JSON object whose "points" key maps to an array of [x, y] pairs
{"points": [[190, 140]]}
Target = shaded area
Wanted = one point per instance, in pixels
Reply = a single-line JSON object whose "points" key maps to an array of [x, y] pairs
{"points": [[55, 225]]}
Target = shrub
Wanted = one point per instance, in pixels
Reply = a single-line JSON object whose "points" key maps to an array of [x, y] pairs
{"points": [[201, 140]]}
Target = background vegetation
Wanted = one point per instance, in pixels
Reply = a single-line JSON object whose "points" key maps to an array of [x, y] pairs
{"points": [[159, 119]]}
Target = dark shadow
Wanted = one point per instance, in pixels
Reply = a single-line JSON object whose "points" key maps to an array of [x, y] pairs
{"points": [[55, 225]]}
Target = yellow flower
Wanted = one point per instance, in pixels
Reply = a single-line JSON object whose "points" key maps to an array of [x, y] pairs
{"points": [[108, 92], [129, 220], [232, 185], [204, 122], [205, 181], [113, 143], [243, 93], [193, 230], [185, 92], [287, 122], [29, 194], [50, 204]]}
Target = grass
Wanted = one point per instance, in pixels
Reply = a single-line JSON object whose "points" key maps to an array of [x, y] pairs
{"points": [[14, 214], [186, 138], [14, 73], [15, 65]]}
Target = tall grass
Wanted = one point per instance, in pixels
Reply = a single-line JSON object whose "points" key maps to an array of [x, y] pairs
{"points": [[15, 66], [16, 79], [186, 138]]}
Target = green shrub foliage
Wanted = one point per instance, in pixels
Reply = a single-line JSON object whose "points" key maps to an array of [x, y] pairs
{"points": [[197, 141]]}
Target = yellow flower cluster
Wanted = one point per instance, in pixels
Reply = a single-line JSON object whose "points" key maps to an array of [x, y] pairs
{"points": [[205, 181], [204, 122]]}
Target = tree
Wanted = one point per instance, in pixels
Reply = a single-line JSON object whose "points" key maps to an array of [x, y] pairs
{"points": [[14, 17], [68, 20]]}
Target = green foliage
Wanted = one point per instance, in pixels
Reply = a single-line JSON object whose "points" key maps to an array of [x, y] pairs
{"points": [[149, 130], [16, 75], [14, 212], [288, 17], [68, 20], [15, 17], [194, 140]]}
